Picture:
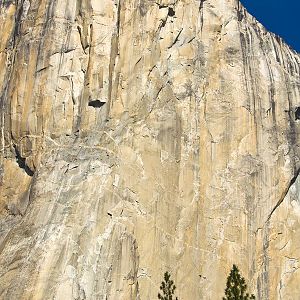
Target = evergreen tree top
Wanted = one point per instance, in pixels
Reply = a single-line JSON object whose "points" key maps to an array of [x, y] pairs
{"points": [[236, 288], [168, 288]]}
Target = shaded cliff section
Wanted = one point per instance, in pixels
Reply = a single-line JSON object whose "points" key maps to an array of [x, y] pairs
{"points": [[142, 136]]}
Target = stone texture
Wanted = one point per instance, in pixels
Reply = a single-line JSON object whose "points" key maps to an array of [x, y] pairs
{"points": [[145, 136]]}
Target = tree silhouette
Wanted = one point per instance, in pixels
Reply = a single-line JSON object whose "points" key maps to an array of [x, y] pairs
{"points": [[236, 287], [168, 288]]}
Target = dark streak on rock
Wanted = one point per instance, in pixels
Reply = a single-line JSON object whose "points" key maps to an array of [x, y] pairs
{"points": [[201, 13], [21, 161], [292, 181], [114, 51], [176, 38]]}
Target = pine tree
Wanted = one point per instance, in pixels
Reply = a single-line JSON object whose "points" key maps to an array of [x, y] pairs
{"points": [[168, 288], [236, 286]]}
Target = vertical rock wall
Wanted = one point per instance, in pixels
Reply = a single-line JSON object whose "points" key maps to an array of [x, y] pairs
{"points": [[139, 137]]}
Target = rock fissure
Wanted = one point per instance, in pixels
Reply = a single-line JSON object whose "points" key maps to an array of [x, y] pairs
{"points": [[282, 198], [176, 38], [21, 161]]}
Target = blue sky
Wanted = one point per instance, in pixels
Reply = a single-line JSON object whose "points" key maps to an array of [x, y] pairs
{"points": [[279, 16]]}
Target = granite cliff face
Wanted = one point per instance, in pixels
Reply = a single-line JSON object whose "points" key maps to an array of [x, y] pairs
{"points": [[139, 136]]}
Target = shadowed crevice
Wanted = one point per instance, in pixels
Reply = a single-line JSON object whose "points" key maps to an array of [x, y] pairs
{"points": [[297, 113], [96, 103], [292, 181], [21, 161]]}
